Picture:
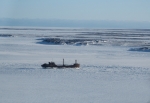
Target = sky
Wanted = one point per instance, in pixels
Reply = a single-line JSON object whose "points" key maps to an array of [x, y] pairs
{"points": [[115, 10]]}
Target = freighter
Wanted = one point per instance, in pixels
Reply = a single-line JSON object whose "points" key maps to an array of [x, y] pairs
{"points": [[53, 65]]}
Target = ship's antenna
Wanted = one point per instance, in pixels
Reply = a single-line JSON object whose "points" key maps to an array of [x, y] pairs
{"points": [[76, 61], [63, 62]]}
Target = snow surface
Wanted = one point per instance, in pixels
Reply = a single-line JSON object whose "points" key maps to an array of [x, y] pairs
{"points": [[109, 73]]}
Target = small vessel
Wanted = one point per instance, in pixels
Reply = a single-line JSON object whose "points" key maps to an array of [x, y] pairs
{"points": [[53, 65]]}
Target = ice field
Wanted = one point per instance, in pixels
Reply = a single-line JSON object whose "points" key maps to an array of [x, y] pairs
{"points": [[115, 65]]}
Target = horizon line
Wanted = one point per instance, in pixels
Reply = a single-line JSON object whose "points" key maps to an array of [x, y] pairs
{"points": [[74, 23]]}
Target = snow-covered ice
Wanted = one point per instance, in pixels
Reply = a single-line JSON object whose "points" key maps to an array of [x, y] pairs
{"points": [[110, 72]]}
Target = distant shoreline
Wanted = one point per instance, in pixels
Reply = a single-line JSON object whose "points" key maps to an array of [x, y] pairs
{"points": [[58, 23]]}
